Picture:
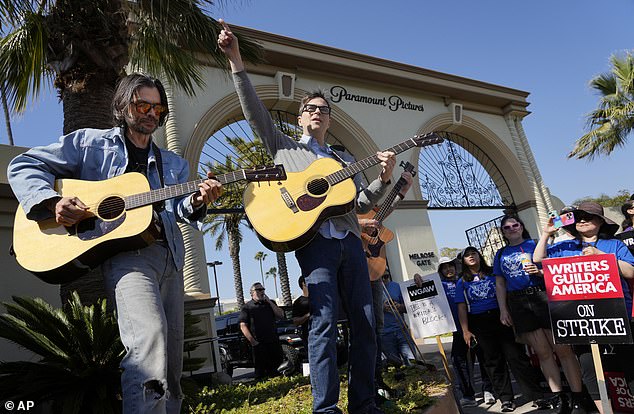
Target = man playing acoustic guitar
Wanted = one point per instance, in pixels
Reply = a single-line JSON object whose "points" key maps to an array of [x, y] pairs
{"points": [[147, 284], [333, 261]]}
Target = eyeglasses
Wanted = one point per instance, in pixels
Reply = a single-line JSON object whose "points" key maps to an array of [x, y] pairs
{"points": [[144, 107], [583, 216], [310, 108], [260, 289], [510, 226]]}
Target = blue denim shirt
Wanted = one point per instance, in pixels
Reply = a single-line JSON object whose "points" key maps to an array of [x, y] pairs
{"points": [[94, 155]]}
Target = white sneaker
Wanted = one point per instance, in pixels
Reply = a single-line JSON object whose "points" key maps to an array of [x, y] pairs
{"points": [[468, 402], [489, 398]]}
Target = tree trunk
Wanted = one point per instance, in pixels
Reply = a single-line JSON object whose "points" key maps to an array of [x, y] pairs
{"points": [[285, 286], [7, 116], [87, 105], [234, 253], [277, 295]]}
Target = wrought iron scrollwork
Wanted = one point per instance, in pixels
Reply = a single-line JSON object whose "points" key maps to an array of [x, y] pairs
{"points": [[458, 174]]}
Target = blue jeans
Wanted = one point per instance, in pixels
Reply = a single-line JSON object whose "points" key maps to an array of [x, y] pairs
{"points": [[396, 348], [149, 298], [337, 269]]}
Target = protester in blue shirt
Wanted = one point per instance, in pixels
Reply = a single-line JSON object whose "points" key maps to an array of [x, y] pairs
{"points": [[593, 234], [395, 345], [460, 352], [523, 305], [480, 321]]}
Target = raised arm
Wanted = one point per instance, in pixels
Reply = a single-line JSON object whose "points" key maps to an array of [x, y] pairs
{"points": [[540, 252]]}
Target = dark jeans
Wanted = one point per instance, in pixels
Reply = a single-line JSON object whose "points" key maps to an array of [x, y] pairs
{"points": [[464, 370], [499, 347], [337, 269], [266, 358]]}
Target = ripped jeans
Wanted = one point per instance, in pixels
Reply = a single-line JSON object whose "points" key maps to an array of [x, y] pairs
{"points": [[148, 292]]}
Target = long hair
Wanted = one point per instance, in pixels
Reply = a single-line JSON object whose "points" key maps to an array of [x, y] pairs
{"points": [[124, 96], [525, 234], [627, 222], [466, 274]]}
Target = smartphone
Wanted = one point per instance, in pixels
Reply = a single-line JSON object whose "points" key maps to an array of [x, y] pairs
{"points": [[557, 222], [567, 218], [473, 342]]}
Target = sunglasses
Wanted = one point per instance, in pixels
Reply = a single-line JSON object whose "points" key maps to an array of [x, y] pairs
{"points": [[310, 108], [583, 216], [511, 226], [260, 289], [144, 107]]}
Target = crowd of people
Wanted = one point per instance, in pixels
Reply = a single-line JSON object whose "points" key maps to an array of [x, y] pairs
{"points": [[498, 308]]}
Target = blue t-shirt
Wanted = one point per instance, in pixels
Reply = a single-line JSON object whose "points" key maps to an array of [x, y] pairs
{"points": [[569, 248], [390, 323], [508, 263], [479, 294], [449, 287]]}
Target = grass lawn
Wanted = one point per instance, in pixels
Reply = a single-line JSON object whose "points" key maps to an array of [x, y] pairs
{"points": [[418, 390]]}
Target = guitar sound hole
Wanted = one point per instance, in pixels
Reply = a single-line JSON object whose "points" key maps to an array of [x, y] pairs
{"points": [[318, 186], [111, 208]]}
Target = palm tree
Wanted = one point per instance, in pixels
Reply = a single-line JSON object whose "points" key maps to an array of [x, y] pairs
{"points": [[286, 289], [83, 49], [272, 272], [260, 256], [79, 354], [611, 124], [229, 224]]}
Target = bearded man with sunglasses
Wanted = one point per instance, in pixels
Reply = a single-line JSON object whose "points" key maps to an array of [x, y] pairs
{"points": [[146, 284], [333, 262]]}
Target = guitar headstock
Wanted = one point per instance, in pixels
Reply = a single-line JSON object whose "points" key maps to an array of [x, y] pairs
{"points": [[429, 138], [408, 167], [266, 173]]}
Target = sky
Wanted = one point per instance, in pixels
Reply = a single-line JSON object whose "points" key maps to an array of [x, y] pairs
{"points": [[551, 49]]}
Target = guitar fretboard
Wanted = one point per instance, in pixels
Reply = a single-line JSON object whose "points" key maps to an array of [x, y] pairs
{"points": [[366, 163], [173, 191]]}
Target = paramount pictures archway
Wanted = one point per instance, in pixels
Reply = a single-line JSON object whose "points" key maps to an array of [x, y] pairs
{"points": [[376, 104]]}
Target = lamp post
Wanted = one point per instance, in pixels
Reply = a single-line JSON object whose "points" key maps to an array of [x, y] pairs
{"points": [[214, 264]]}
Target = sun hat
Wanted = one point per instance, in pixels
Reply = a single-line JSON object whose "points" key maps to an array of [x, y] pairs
{"points": [[591, 207]]}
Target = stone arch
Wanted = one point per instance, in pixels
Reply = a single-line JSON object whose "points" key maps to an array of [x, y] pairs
{"points": [[491, 144], [350, 132]]}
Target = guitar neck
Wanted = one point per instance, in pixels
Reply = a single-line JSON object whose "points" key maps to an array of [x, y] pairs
{"points": [[173, 191], [366, 163], [389, 199]]}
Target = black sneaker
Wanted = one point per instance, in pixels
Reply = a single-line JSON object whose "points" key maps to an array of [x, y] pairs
{"points": [[577, 408], [508, 406], [542, 404]]}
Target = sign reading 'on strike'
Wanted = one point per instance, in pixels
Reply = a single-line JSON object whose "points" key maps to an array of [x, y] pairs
{"points": [[586, 300]]}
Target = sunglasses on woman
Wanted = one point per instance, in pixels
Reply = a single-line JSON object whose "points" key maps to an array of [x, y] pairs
{"points": [[513, 226], [583, 216]]}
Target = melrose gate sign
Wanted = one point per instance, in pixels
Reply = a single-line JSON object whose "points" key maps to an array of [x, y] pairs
{"points": [[393, 103]]}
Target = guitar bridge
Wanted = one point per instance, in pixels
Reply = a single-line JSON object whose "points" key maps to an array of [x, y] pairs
{"points": [[290, 203]]}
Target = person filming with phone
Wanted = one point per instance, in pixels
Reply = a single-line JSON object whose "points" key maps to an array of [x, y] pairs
{"points": [[257, 323]]}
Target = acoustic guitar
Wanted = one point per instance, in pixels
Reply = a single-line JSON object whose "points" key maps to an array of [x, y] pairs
{"points": [[374, 245], [121, 220], [286, 216]]}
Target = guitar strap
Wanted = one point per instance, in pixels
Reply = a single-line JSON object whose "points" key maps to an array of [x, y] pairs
{"points": [[160, 206]]}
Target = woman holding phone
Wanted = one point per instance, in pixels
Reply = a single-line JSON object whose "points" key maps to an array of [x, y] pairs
{"points": [[479, 317], [593, 234], [521, 296]]}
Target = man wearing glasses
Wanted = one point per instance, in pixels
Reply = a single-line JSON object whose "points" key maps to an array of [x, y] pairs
{"points": [[257, 323], [333, 261], [146, 284]]}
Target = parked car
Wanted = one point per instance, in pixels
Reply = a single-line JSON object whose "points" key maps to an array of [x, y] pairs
{"points": [[236, 351]]}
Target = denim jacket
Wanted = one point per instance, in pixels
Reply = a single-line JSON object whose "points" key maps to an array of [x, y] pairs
{"points": [[93, 155]]}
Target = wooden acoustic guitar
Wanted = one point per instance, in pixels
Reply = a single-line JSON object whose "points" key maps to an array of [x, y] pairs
{"points": [[286, 216], [121, 220], [374, 245]]}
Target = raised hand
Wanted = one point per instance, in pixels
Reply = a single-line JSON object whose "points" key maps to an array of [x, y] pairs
{"points": [[228, 43], [388, 161]]}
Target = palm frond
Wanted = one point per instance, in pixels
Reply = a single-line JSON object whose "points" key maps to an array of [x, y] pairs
{"points": [[23, 61]]}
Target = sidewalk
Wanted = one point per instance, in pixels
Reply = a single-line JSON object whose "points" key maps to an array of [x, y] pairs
{"points": [[432, 356]]}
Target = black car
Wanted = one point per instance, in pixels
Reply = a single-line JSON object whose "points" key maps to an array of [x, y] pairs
{"points": [[236, 351]]}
